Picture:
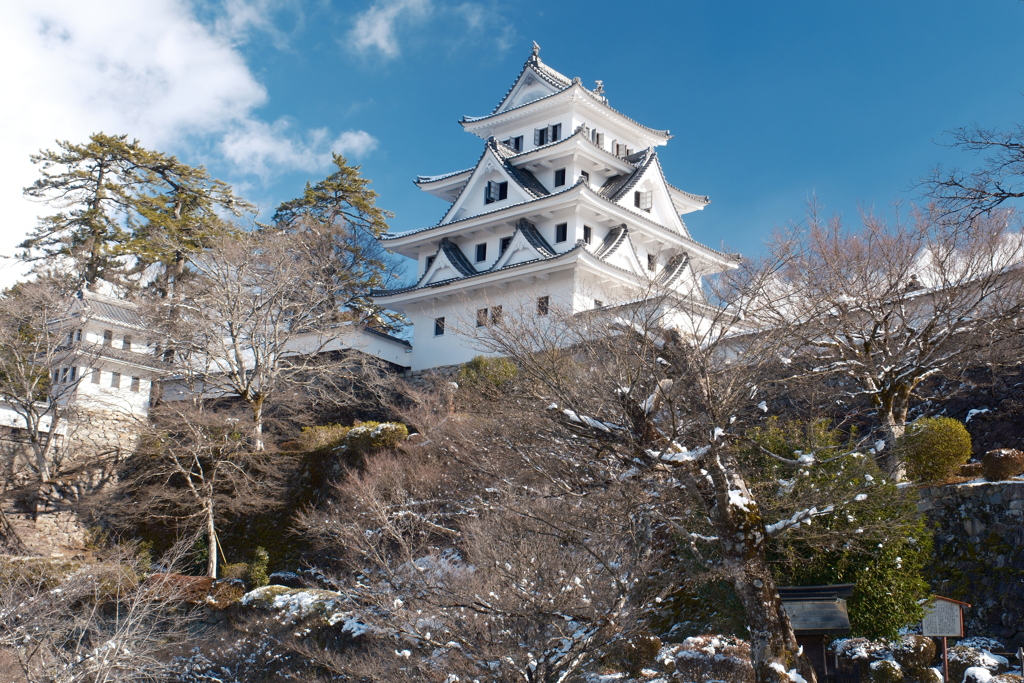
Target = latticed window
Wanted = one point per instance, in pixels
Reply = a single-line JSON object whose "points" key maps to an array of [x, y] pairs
{"points": [[543, 305], [438, 326], [643, 200], [495, 191], [481, 317]]}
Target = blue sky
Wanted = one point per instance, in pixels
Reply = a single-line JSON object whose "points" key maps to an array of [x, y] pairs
{"points": [[769, 102]]}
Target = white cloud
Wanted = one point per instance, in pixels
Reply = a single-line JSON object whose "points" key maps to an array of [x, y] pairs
{"points": [[263, 148], [374, 29], [384, 29], [150, 69]]}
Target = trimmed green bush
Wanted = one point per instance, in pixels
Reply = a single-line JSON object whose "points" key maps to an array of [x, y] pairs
{"points": [[258, 575], [358, 439], [488, 373], [934, 448]]}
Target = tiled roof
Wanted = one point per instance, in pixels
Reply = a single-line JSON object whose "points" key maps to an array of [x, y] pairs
{"points": [[597, 99], [403, 290], [534, 237], [701, 198], [641, 160], [421, 179], [612, 241], [644, 217], [673, 269], [543, 71], [90, 350], [456, 257], [523, 177], [102, 308]]}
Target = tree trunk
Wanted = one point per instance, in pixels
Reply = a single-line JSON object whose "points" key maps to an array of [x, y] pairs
{"points": [[211, 543], [741, 532], [892, 412], [773, 647], [257, 424]]}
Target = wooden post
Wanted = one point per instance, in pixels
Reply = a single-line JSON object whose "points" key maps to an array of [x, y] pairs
{"points": [[945, 661]]}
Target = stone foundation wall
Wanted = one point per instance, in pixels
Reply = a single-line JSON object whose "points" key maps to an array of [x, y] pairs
{"points": [[979, 554], [84, 462]]}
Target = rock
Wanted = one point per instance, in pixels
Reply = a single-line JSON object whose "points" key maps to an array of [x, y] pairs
{"points": [[962, 658], [971, 470], [722, 658], [931, 675], [290, 579], [976, 674]]}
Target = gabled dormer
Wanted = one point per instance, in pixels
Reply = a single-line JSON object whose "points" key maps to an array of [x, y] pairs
{"points": [[448, 263], [535, 81], [646, 191], [494, 184], [526, 244], [617, 249]]}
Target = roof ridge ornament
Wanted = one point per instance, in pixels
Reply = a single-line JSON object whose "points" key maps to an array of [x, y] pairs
{"points": [[535, 53], [599, 87]]}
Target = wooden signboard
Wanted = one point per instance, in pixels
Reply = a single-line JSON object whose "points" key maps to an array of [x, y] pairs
{"points": [[944, 617]]}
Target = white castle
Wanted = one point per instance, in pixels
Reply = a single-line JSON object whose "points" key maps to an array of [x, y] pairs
{"points": [[566, 207]]}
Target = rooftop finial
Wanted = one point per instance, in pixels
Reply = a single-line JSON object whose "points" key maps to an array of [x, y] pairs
{"points": [[536, 49], [599, 87]]}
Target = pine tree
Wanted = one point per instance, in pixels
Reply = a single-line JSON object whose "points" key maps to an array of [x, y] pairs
{"points": [[124, 208]]}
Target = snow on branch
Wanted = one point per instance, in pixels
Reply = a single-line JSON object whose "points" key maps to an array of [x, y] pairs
{"points": [[796, 519]]}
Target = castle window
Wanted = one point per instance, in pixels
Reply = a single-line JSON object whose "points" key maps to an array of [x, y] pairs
{"points": [[515, 143], [136, 384], [505, 243], [588, 234], [560, 177], [652, 262], [561, 232], [495, 315], [95, 378], [556, 132], [430, 262], [495, 191], [585, 176], [543, 305], [115, 380], [439, 326], [108, 337], [643, 200], [540, 136], [126, 343], [481, 317], [481, 252], [597, 138]]}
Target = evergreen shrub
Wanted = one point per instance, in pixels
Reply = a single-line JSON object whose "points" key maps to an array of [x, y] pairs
{"points": [[258, 576], [1002, 464], [488, 373], [358, 439], [934, 448]]}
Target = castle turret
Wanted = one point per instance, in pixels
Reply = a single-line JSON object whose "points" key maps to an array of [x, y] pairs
{"points": [[567, 206]]}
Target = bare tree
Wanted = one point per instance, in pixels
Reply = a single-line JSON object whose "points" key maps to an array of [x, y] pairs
{"points": [[998, 180], [39, 376], [894, 303], [669, 388], [103, 621], [456, 561], [195, 468], [258, 319]]}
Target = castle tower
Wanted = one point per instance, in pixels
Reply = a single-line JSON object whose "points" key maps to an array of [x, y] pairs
{"points": [[566, 207]]}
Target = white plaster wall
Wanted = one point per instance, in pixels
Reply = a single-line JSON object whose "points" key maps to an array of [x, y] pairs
{"points": [[459, 344]]}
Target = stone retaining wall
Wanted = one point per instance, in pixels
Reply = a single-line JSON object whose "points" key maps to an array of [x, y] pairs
{"points": [[979, 553]]}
